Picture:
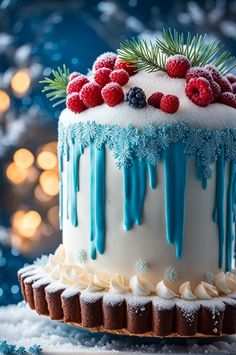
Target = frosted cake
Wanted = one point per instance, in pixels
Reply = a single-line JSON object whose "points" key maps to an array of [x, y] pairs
{"points": [[147, 154]]}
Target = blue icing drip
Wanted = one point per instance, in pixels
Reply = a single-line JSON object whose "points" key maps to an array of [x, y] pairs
{"points": [[152, 172], [175, 186], [134, 193], [97, 199], [229, 218], [75, 156], [60, 163], [219, 213]]}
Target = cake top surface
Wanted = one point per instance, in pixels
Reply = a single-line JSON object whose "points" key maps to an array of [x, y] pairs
{"points": [[214, 115]]}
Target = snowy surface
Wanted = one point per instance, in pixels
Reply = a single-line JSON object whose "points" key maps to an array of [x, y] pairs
{"points": [[21, 326]]}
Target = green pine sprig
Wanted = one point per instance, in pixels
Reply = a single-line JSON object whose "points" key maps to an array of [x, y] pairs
{"points": [[55, 88], [153, 56], [147, 56]]}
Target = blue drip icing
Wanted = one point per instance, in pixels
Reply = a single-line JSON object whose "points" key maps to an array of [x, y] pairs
{"points": [[229, 218], [60, 163], [175, 186], [219, 213], [152, 172], [97, 200], [134, 178], [75, 157]]}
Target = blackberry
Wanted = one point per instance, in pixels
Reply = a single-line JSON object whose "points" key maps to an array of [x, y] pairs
{"points": [[135, 97]]}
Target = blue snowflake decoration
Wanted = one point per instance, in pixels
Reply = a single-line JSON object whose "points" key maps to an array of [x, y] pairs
{"points": [[122, 154], [142, 266], [42, 260], [6, 348], [150, 131], [163, 140], [129, 135], [209, 277], [89, 131], [194, 141], [21, 350], [81, 256], [153, 151], [103, 134], [171, 274], [35, 349]]}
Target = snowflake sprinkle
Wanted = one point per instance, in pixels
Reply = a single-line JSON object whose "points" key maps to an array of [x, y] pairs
{"points": [[142, 266], [82, 256], [209, 277], [171, 274], [35, 349]]}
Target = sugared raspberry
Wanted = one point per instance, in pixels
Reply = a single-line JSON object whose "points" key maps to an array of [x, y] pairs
{"points": [[231, 77], [228, 98], [76, 84], [105, 60], [74, 103], [234, 87], [130, 67], [102, 76], [197, 72], [224, 84], [112, 94], [216, 90], [119, 76], [90, 94], [199, 91], [169, 103], [155, 99], [74, 75], [177, 66]]}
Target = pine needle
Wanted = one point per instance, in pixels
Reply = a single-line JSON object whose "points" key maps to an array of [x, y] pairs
{"points": [[55, 88]]}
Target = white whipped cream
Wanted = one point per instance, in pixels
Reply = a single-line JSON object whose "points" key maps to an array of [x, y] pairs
{"points": [[221, 283], [163, 291], [231, 281], [117, 284], [186, 291], [140, 286], [205, 291]]}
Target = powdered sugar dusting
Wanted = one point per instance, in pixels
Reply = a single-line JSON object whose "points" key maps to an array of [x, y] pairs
{"points": [[54, 287], [189, 309], [42, 282], [162, 304], [89, 297], [69, 292]]}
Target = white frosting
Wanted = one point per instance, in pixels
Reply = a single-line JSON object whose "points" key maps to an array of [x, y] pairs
{"points": [[163, 291], [205, 291], [221, 283], [140, 286], [117, 284], [186, 292], [231, 281], [213, 116]]}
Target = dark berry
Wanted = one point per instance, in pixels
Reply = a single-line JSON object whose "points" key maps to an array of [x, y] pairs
{"points": [[136, 97]]}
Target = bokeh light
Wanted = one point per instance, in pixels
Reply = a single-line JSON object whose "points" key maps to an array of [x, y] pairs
{"points": [[4, 101], [26, 223], [47, 160], [20, 82], [16, 174], [49, 182], [23, 158]]}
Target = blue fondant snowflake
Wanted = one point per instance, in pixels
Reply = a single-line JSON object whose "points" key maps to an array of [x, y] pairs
{"points": [[103, 134], [163, 140], [209, 277], [150, 131], [129, 135], [230, 150], [21, 350], [42, 260], [35, 349], [194, 141], [178, 132], [114, 133], [171, 274], [89, 131], [82, 256], [122, 154], [153, 151], [142, 266], [140, 149], [208, 152], [6, 348]]}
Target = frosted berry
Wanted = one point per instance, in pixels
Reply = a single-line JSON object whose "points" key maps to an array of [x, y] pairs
{"points": [[105, 60], [76, 84], [112, 94], [177, 66], [155, 99], [169, 103], [228, 98], [130, 67], [199, 91], [119, 76], [231, 77], [234, 87], [197, 72], [74, 75], [74, 103], [222, 81], [90, 94], [136, 97], [216, 90], [102, 76]]}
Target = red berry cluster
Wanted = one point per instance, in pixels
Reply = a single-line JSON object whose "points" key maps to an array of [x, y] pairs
{"points": [[166, 103], [109, 75], [204, 84]]}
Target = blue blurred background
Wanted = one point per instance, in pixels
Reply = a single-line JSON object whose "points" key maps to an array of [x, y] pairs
{"points": [[36, 36]]}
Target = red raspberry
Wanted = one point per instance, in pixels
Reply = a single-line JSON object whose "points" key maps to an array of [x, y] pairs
{"points": [[130, 67], [112, 94], [234, 87], [231, 77], [177, 66], [120, 76], [74, 75], [74, 103], [219, 79], [155, 99], [76, 84], [199, 91], [229, 99], [105, 60], [169, 103], [197, 72], [90, 94], [216, 90], [102, 76]]}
